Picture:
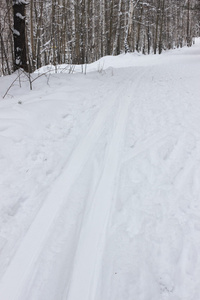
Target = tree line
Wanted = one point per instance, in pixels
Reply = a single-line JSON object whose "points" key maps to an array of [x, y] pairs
{"points": [[34, 33]]}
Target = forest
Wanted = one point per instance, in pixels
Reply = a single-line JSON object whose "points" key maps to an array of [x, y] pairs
{"points": [[40, 32]]}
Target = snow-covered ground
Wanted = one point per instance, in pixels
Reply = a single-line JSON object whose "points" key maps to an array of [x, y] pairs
{"points": [[100, 181]]}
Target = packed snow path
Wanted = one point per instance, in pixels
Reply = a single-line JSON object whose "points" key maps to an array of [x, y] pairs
{"points": [[86, 267], [117, 216]]}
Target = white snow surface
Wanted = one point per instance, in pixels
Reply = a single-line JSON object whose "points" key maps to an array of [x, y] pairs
{"points": [[100, 180]]}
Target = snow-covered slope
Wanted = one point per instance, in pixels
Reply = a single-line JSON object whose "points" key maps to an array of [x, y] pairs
{"points": [[100, 181]]}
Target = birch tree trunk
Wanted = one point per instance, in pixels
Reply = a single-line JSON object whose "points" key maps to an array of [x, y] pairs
{"points": [[160, 46], [156, 29], [32, 33], [138, 47], [128, 42], [103, 30], [93, 28], [116, 40], [189, 39]]}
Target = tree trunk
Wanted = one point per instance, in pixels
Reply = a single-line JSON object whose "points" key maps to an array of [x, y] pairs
{"points": [[189, 40], [160, 46], [128, 35], [19, 35], [138, 47], [156, 29], [116, 41]]}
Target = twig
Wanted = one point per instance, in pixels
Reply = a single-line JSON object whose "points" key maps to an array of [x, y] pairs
{"points": [[11, 85]]}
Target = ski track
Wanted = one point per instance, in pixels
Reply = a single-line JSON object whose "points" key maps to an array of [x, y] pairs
{"points": [[26, 256], [21, 267], [90, 248], [86, 267]]}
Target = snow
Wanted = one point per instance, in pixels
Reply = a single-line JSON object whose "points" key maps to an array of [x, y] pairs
{"points": [[20, 16], [18, 2], [16, 32], [99, 181]]}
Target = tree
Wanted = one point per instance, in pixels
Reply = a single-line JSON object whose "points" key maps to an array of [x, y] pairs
{"points": [[19, 35]]}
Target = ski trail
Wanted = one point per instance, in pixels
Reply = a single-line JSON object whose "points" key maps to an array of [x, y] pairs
{"points": [[22, 264], [87, 260]]}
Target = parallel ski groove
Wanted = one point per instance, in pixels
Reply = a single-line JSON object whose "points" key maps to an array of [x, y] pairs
{"points": [[31, 246], [88, 255]]}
